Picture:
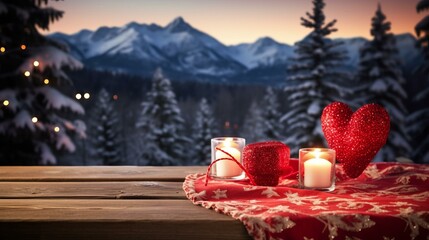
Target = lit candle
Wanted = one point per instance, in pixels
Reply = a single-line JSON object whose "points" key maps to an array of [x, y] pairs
{"points": [[317, 169], [228, 168], [317, 172]]}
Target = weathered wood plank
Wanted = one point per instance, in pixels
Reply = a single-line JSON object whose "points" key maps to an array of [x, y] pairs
{"points": [[98, 173], [92, 190], [113, 219], [103, 210]]}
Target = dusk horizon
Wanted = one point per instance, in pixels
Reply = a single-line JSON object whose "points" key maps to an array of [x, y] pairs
{"points": [[240, 23], [202, 30]]}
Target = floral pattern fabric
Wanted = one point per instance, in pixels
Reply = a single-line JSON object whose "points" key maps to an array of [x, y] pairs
{"points": [[387, 201]]}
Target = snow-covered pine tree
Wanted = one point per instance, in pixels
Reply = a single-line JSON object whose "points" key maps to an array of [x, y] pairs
{"points": [[272, 128], [419, 120], [204, 130], [314, 80], [33, 110], [104, 130], [161, 125], [380, 81], [253, 125], [422, 32]]}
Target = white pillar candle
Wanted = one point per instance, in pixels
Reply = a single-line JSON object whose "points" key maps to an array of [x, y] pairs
{"points": [[317, 173], [228, 168]]}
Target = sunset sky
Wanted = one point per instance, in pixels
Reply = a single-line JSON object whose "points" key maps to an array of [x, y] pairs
{"points": [[236, 21]]}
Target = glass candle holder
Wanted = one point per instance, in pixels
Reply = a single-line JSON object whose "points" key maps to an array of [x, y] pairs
{"points": [[227, 169], [317, 169]]}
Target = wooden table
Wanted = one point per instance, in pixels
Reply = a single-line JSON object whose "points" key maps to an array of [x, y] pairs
{"points": [[125, 202]]}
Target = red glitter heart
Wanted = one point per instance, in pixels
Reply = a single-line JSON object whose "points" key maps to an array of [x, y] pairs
{"points": [[266, 161], [355, 137]]}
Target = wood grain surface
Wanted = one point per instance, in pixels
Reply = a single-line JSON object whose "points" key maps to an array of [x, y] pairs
{"points": [[125, 202], [92, 190], [97, 173], [104, 210]]}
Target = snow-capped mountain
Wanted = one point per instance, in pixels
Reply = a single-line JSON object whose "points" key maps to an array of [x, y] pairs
{"points": [[187, 53], [139, 48], [264, 52]]}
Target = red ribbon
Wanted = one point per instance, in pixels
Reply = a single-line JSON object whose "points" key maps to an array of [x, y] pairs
{"points": [[231, 158]]}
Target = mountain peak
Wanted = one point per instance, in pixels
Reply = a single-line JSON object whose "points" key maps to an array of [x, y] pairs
{"points": [[133, 24], [178, 25], [178, 19], [139, 26], [265, 42]]}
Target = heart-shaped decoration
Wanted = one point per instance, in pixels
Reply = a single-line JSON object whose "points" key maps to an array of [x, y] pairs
{"points": [[355, 137]]}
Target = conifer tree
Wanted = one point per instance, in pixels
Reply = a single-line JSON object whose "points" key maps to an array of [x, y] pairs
{"points": [[204, 130], [161, 125], [272, 128], [105, 130], [253, 126], [419, 119], [34, 124], [422, 32], [314, 80], [381, 81]]}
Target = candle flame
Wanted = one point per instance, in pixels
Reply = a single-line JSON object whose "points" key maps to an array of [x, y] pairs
{"points": [[317, 152], [228, 142]]}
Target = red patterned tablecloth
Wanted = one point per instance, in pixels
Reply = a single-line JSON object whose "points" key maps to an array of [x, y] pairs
{"points": [[388, 201]]}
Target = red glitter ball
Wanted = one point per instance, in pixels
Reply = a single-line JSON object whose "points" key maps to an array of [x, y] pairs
{"points": [[355, 137], [266, 161]]}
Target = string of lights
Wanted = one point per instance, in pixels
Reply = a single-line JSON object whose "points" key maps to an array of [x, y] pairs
{"points": [[34, 73], [46, 81], [28, 73]]}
